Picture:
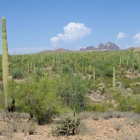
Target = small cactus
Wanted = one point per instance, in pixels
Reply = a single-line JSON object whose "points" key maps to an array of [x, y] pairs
{"points": [[101, 87], [68, 126]]}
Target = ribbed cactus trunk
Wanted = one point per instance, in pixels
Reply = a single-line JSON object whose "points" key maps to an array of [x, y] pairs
{"points": [[94, 76], [114, 77], [5, 62]]}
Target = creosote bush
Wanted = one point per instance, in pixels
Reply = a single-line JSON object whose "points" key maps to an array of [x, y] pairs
{"points": [[38, 72], [17, 73]]}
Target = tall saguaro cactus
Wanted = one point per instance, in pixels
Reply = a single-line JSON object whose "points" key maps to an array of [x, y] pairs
{"points": [[114, 77], [5, 62]]}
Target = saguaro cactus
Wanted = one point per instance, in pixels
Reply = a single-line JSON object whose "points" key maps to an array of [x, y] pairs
{"points": [[114, 77], [94, 76], [5, 62]]}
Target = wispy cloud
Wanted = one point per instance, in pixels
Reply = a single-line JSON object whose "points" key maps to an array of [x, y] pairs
{"points": [[72, 31], [121, 35], [136, 38]]}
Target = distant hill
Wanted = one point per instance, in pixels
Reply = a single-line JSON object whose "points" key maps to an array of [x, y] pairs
{"points": [[60, 50], [136, 49], [133, 49], [101, 47]]}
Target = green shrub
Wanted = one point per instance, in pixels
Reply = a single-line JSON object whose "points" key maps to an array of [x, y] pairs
{"points": [[54, 68], [1, 101], [137, 108], [73, 92], [136, 66], [38, 72], [125, 102], [108, 72], [98, 72], [66, 69], [39, 98], [17, 73], [98, 108], [0, 75]]}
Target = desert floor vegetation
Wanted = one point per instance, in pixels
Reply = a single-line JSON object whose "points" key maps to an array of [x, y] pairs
{"points": [[72, 95]]}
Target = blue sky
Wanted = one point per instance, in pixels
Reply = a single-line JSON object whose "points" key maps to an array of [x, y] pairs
{"points": [[36, 25]]}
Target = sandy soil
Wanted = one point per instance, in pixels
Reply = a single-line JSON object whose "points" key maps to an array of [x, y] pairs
{"points": [[90, 129]]}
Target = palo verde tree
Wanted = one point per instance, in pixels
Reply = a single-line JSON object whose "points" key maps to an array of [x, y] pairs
{"points": [[5, 62]]}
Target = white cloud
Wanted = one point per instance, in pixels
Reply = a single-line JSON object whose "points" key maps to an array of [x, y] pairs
{"points": [[121, 35], [72, 31], [136, 38]]}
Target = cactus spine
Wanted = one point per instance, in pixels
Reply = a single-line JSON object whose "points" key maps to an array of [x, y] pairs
{"points": [[113, 77], [5, 62]]}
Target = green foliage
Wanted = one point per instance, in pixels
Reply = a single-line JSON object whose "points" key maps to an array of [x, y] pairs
{"points": [[39, 98], [38, 71], [136, 66], [70, 89], [54, 68], [66, 69], [98, 72], [67, 126], [108, 72], [73, 92], [17, 73], [137, 108], [97, 108], [1, 101], [126, 102], [0, 75]]}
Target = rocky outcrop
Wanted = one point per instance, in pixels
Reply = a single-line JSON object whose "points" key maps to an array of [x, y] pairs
{"points": [[108, 46], [101, 46], [89, 48]]}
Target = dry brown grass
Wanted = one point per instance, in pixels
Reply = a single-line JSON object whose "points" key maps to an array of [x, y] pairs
{"points": [[93, 126]]}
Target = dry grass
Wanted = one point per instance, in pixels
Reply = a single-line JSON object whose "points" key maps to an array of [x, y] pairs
{"points": [[94, 125]]}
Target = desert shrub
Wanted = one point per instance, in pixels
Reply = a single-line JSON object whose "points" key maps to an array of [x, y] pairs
{"points": [[38, 71], [66, 69], [17, 73], [137, 108], [126, 82], [98, 72], [0, 75], [100, 66], [1, 101], [125, 102], [1, 87], [54, 68], [72, 66], [136, 66], [67, 126], [73, 92], [39, 98], [98, 108], [108, 72]]}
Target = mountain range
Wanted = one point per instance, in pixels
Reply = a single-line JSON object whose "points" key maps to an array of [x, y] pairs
{"points": [[101, 47], [108, 46]]}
